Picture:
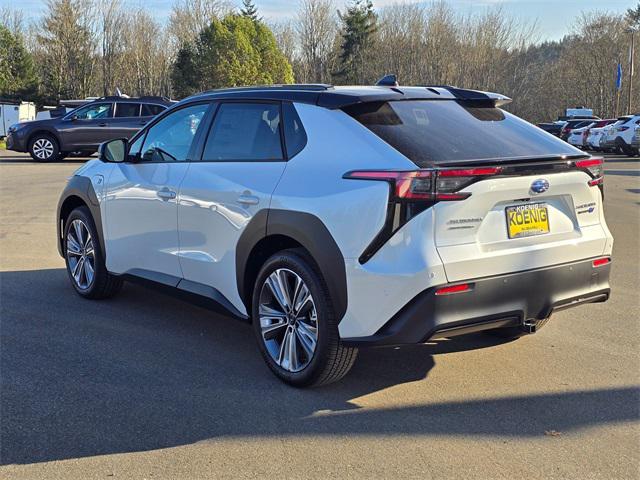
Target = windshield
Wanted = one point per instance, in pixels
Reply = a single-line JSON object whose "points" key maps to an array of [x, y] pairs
{"points": [[430, 132]]}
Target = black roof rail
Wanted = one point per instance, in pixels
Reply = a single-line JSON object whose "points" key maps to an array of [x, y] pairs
{"points": [[314, 87], [156, 98]]}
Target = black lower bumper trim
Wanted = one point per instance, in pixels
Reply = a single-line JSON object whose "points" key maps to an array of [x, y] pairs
{"points": [[493, 302]]}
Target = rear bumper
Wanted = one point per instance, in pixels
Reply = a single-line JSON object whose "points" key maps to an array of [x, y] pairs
{"points": [[492, 302]]}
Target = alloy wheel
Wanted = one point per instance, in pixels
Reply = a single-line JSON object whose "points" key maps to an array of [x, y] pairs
{"points": [[43, 148], [288, 320], [80, 254]]}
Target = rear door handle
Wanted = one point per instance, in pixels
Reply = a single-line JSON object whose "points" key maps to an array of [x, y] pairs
{"points": [[143, 122], [103, 124], [248, 199], [166, 194]]}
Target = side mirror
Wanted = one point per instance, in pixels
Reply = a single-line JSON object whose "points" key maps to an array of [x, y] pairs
{"points": [[114, 151], [73, 118]]}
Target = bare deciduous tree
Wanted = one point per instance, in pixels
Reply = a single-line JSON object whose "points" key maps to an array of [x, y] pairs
{"points": [[317, 29], [112, 19], [189, 17]]}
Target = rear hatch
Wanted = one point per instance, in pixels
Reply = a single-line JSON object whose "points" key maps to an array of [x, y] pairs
{"points": [[514, 223], [506, 195]]}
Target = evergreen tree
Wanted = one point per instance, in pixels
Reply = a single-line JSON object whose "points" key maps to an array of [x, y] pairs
{"points": [[633, 15], [184, 74], [249, 10], [359, 27], [230, 52], [17, 73]]}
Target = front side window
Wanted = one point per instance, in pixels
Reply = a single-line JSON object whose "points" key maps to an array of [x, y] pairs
{"points": [[245, 131], [93, 111], [170, 139], [432, 132], [124, 110]]}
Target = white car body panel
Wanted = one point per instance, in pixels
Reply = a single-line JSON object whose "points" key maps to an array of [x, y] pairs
{"points": [[141, 229], [312, 182], [405, 266], [212, 216]]}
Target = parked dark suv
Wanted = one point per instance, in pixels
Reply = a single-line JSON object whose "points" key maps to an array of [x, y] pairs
{"points": [[84, 128]]}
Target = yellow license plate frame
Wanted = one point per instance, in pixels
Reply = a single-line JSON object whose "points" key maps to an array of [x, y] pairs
{"points": [[527, 220]]}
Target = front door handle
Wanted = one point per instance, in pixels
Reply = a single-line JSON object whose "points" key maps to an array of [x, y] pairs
{"points": [[103, 124], [246, 199], [166, 194]]}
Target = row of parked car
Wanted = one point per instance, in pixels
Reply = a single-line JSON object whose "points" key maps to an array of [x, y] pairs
{"points": [[612, 135]]}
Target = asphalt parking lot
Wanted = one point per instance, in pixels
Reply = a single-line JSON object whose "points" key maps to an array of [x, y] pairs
{"points": [[145, 386]]}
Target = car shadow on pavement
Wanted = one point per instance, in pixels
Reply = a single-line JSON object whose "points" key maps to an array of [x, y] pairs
{"points": [[28, 161], [144, 371]]}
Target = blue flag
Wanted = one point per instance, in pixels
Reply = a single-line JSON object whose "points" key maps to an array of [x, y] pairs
{"points": [[619, 77]]}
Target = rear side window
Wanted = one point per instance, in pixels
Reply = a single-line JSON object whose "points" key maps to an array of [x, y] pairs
{"points": [[149, 110], [294, 135], [124, 110], [245, 131], [431, 132]]}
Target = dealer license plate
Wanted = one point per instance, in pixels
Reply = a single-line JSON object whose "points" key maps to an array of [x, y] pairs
{"points": [[527, 220]]}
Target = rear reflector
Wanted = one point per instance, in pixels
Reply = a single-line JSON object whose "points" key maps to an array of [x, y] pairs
{"points": [[599, 262], [464, 287]]}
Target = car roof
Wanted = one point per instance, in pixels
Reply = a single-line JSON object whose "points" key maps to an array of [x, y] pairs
{"points": [[144, 99], [332, 97]]}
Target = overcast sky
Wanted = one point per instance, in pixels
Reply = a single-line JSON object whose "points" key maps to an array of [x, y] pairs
{"points": [[554, 17]]}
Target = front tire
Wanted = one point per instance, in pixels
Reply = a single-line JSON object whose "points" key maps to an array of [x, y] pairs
{"points": [[44, 148], [295, 324], [84, 257]]}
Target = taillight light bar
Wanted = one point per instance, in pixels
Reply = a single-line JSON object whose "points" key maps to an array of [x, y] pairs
{"points": [[595, 168], [463, 287], [599, 262], [429, 185]]}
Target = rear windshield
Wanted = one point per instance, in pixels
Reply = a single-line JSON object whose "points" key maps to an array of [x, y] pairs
{"points": [[432, 132]]}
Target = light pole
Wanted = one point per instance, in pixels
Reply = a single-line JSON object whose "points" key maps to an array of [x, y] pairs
{"points": [[631, 55]]}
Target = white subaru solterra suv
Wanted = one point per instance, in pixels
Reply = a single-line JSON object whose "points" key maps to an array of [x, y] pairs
{"points": [[335, 218]]}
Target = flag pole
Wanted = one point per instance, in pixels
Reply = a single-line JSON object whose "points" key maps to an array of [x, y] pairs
{"points": [[631, 55], [618, 85]]}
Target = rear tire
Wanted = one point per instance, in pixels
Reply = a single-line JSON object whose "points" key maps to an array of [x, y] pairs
{"points": [[295, 324], [44, 148], [84, 258]]}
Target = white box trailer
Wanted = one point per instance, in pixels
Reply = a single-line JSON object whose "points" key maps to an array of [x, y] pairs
{"points": [[14, 112]]}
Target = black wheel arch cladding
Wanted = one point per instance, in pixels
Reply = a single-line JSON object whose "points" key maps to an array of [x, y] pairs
{"points": [[81, 188], [305, 229]]}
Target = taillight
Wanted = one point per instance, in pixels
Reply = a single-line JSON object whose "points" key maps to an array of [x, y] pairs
{"points": [[622, 129], [595, 168], [428, 185], [411, 192]]}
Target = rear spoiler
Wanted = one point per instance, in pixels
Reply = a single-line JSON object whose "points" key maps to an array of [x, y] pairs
{"points": [[476, 97]]}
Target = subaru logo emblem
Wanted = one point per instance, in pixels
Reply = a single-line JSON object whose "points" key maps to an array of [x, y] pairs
{"points": [[539, 186]]}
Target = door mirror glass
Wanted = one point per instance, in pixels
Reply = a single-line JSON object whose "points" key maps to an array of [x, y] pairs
{"points": [[113, 151]]}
